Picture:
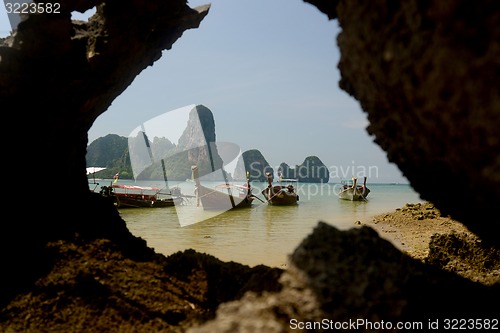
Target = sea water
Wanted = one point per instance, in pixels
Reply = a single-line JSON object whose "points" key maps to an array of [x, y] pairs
{"points": [[262, 234]]}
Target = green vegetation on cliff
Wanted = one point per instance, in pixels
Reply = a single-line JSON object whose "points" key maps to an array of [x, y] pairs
{"points": [[110, 152], [253, 162], [312, 170]]}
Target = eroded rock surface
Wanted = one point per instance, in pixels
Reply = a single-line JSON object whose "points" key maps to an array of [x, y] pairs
{"points": [[56, 78], [95, 287], [345, 276], [426, 72]]}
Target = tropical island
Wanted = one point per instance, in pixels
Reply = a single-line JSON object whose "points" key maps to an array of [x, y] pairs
{"points": [[112, 152]]}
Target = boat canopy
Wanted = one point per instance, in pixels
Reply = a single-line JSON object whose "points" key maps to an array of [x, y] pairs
{"points": [[138, 188], [91, 170], [231, 185], [288, 180]]}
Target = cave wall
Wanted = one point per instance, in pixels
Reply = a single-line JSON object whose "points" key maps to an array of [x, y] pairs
{"points": [[425, 72], [56, 77], [427, 75]]}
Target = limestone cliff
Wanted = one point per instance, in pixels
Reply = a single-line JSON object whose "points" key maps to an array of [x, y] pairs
{"points": [[426, 73], [56, 77], [312, 170], [196, 146], [199, 141]]}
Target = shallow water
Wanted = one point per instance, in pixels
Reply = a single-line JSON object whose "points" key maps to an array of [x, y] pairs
{"points": [[263, 234]]}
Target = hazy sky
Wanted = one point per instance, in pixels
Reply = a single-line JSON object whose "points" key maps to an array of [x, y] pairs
{"points": [[268, 71]]}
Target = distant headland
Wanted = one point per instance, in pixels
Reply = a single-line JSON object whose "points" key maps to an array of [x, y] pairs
{"points": [[113, 152]]}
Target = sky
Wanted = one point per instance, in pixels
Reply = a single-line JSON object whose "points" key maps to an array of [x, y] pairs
{"points": [[268, 72]]}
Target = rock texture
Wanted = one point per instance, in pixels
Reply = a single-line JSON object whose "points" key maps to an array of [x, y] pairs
{"points": [[253, 162], [427, 75], [196, 146], [342, 276], [95, 287], [425, 72], [312, 170], [56, 78], [199, 139]]}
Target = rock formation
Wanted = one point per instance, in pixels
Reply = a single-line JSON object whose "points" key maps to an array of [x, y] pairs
{"points": [[427, 75], [312, 170], [196, 146], [425, 72], [111, 152], [56, 78], [199, 139], [253, 162], [355, 279]]}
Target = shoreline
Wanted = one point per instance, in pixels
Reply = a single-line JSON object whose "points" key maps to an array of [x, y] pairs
{"points": [[410, 228], [420, 231], [93, 285]]}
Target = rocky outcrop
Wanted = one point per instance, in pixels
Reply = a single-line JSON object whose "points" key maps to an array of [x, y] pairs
{"points": [[95, 287], [198, 140], [355, 279], [56, 78], [426, 74], [196, 146], [312, 170], [253, 162]]}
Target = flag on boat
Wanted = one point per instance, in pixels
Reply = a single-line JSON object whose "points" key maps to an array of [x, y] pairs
{"points": [[116, 177]]}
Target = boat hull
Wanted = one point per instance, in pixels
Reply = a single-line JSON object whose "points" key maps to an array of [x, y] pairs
{"points": [[126, 201], [280, 195], [212, 199], [354, 194]]}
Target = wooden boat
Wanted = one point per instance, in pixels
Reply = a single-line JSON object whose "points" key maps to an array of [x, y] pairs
{"points": [[282, 194], [354, 192], [222, 197], [129, 196]]}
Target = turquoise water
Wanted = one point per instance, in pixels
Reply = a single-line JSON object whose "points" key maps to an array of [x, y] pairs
{"points": [[263, 234]]}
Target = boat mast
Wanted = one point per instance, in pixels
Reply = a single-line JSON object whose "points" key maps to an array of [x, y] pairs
{"points": [[196, 178]]}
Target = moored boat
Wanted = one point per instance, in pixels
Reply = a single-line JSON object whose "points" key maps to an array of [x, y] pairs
{"points": [[223, 196], [131, 196], [283, 194], [354, 192]]}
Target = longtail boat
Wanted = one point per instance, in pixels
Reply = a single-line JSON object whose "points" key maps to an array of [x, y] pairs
{"points": [[354, 192], [283, 194]]}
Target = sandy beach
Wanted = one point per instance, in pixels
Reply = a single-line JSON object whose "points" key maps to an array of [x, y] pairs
{"points": [[423, 233], [95, 287]]}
